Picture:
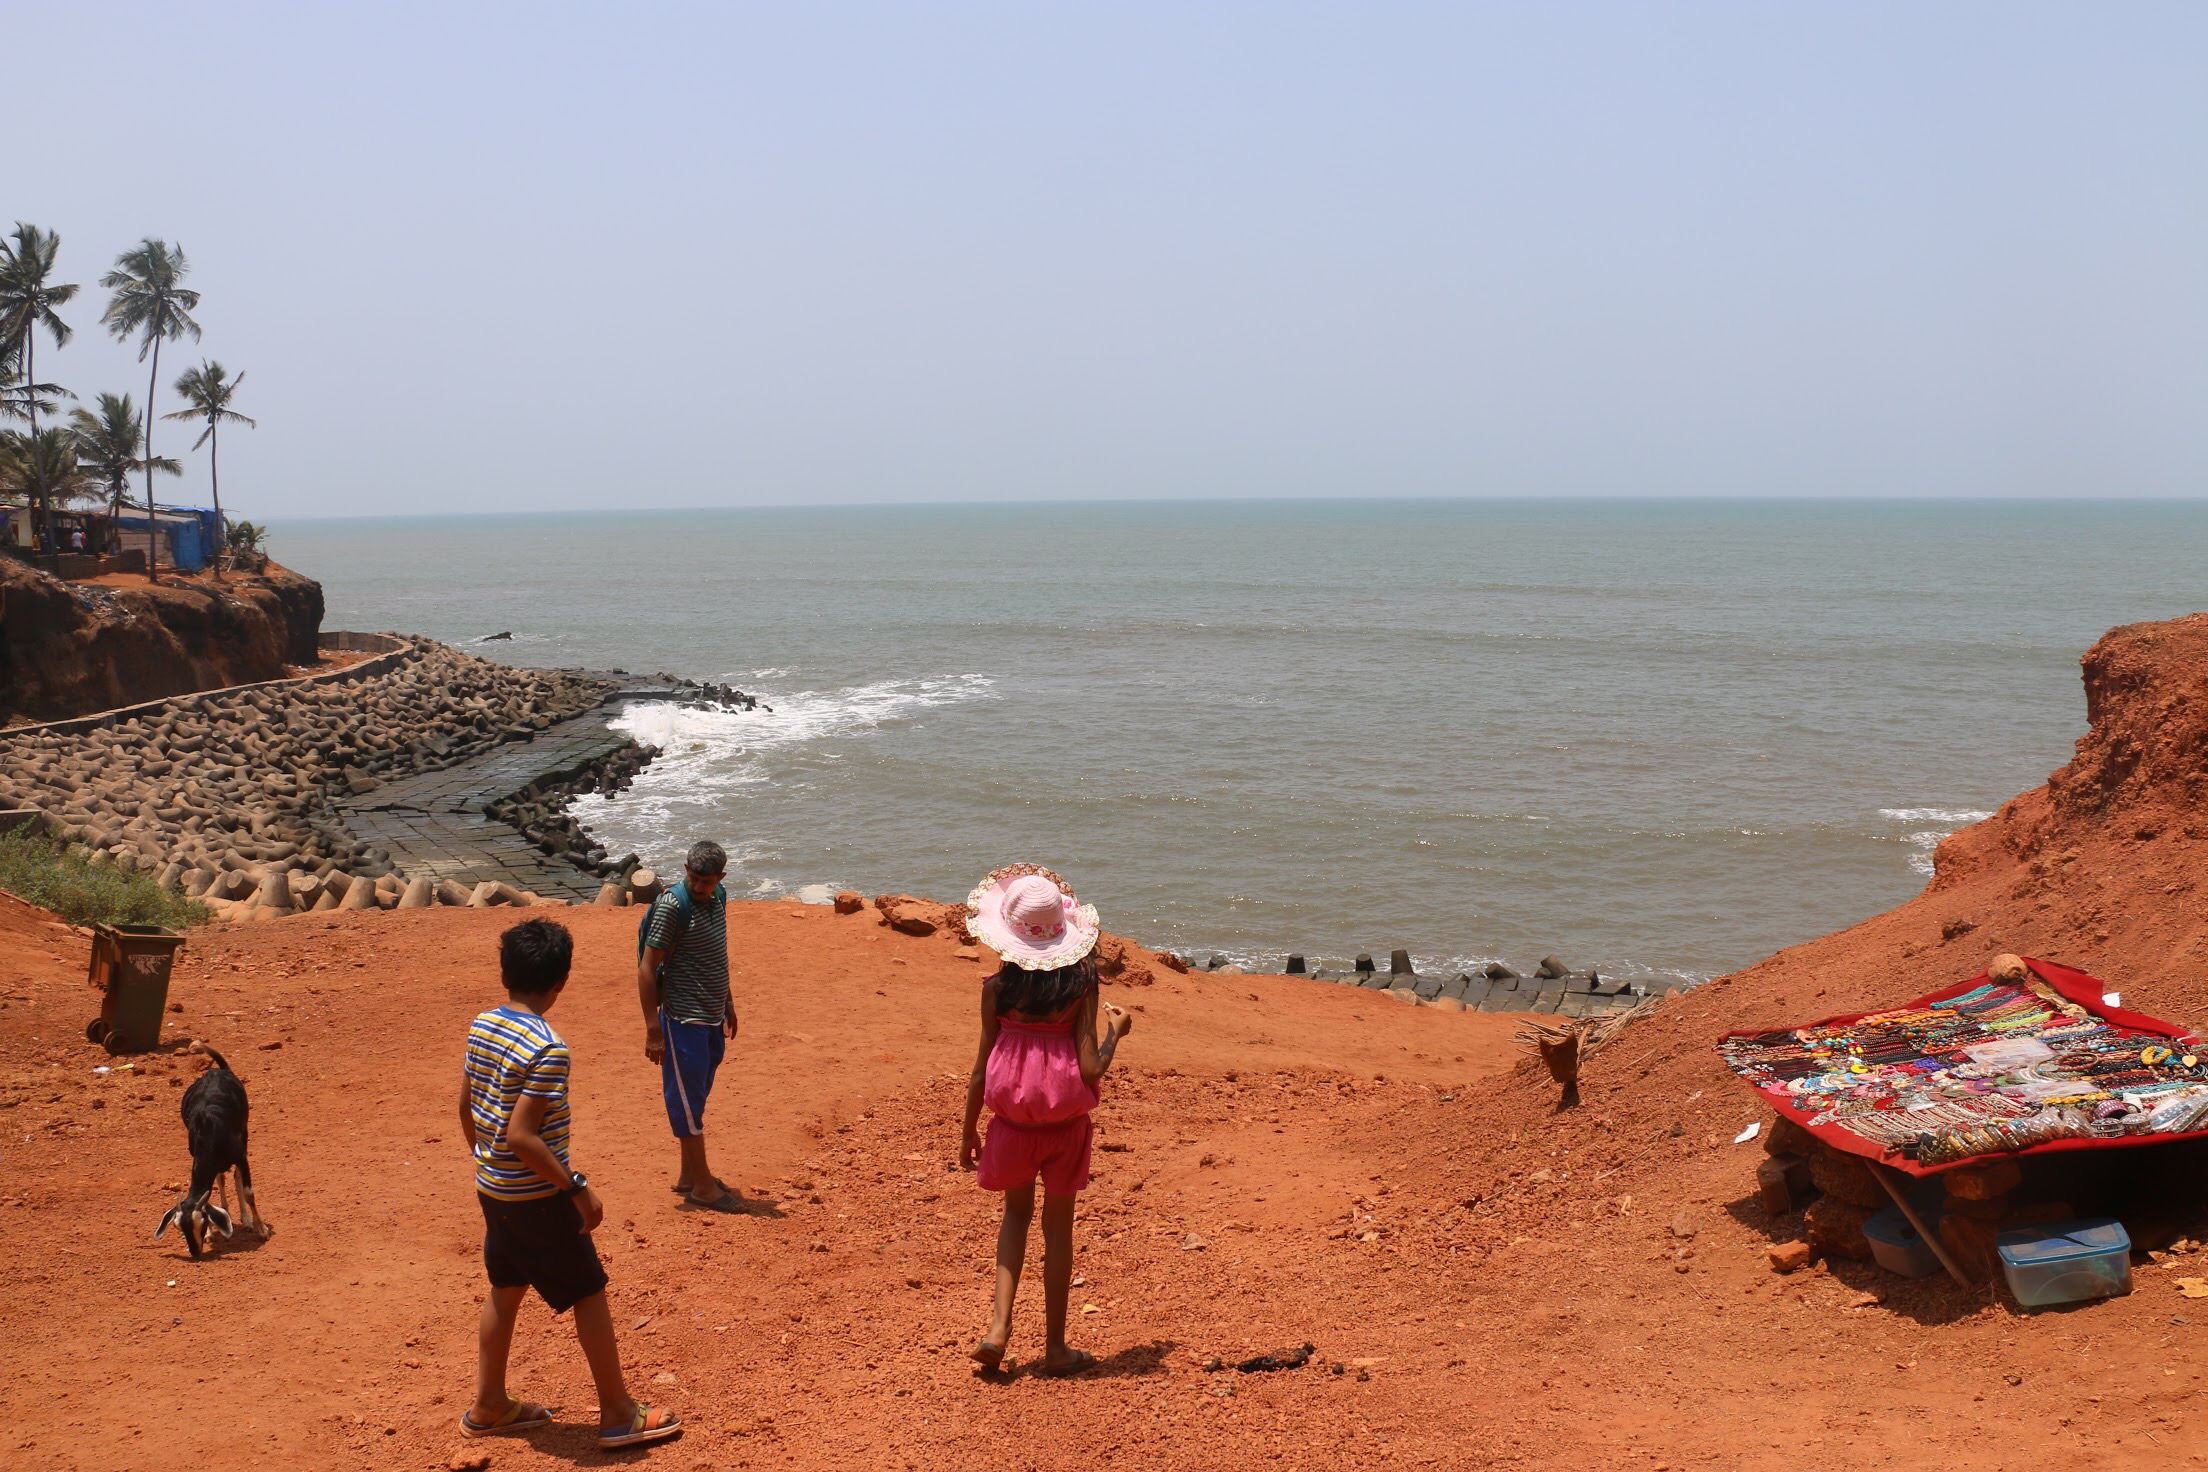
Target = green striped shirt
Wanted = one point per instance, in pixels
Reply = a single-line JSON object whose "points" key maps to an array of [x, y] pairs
{"points": [[693, 981], [512, 1053]]}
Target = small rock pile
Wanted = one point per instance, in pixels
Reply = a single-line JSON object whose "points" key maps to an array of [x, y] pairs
{"points": [[227, 795], [723, 695], [540, 809]]}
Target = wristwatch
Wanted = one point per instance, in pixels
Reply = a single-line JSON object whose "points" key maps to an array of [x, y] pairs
{"points": [[575, 1187]]}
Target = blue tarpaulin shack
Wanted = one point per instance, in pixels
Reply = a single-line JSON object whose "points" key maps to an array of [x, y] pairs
{"points": [[189, 534]]}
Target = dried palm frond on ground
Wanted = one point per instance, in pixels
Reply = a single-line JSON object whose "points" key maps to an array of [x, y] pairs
{"points": [[1566, 1047]]}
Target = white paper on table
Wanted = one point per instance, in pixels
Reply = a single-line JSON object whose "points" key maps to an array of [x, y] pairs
{"points": [[2112, 999], [2010, 1052]]}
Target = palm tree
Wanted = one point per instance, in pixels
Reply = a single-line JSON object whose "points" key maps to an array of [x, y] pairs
{"points": [[107, 448], [42, 468], [249, 543], [209, 394], [151, 301], [28, 298]]}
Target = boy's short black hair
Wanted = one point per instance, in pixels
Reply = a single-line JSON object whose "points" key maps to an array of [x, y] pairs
{"points": [[535, 956], [707, 859]]}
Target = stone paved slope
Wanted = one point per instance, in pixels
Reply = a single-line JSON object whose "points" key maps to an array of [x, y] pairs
{"points": [[433, 823]]}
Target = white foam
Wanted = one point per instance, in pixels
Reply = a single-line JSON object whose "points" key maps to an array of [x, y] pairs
{"points": [[1924, 840], [1959, 817], [723, 735], [709, 753]]}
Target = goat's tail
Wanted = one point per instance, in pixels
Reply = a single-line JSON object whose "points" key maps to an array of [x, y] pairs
{"points": [[196, 1046]]}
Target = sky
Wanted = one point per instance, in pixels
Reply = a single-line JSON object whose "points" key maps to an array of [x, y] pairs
{"points": [[496, 257]]}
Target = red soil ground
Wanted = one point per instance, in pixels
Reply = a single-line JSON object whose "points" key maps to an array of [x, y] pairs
{"points": [[1505, 1285]]}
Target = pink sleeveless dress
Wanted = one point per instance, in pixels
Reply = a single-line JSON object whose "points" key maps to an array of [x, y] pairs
{"points": [[1039, 1108]]}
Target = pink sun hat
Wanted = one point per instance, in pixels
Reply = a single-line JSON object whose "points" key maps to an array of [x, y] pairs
{"points": [[1028, 916]]}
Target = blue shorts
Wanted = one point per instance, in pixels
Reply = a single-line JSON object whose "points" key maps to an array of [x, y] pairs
{"points": [[686, 1070]]}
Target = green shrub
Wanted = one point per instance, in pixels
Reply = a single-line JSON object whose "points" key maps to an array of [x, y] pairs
{"points": [[87, 892]]}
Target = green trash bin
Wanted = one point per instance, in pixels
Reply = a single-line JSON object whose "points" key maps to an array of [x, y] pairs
{"points": [[130, 966]]}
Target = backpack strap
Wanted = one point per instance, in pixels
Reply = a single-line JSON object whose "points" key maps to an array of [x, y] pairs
{"points": [[685, 908]]}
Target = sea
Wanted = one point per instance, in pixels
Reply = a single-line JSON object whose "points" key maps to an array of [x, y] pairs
{"points": [[1655, 738]]}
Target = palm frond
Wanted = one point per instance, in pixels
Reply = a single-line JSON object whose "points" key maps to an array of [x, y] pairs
{"points": [[18, 399], [1564, 1048]]}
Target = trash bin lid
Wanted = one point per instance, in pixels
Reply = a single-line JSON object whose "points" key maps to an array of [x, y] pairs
{"points": [[139, 934]]}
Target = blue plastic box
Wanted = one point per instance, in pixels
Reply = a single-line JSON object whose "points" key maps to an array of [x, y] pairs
{"points": [[2066, 1262], [1897, 1246]]}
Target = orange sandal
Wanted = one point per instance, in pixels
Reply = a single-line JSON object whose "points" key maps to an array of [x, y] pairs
{"points": [[521, 1415], [646, 1425]]}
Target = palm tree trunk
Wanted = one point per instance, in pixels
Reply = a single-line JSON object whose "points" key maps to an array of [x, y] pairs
{"points": [[42, 518], [153, 525], [214, 483]]}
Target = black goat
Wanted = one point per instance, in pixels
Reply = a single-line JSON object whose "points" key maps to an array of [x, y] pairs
{"points": [[215, 1114]]}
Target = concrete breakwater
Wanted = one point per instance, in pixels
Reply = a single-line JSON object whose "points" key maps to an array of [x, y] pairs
{"points": [[1552, 990], [252, 797], [1579, 996]]}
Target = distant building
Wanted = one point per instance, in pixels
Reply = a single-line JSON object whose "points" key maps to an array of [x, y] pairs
{"points": [[190, 535]]}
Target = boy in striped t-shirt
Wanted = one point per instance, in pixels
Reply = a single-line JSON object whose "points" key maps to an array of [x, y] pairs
{"points": [[537, 1213]]}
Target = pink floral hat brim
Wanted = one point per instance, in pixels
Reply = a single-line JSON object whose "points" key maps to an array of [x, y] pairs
{"points": [[987, 923]]}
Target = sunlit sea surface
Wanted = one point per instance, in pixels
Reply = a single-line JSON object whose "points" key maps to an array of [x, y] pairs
{"points": [[1657, 738]]}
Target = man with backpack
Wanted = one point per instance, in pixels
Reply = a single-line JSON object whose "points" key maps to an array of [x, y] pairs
{"points": [[682, 981]]}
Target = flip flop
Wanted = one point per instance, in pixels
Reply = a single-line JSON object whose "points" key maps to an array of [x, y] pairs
{"points": [[1082, 1360], [646, 1425], [989, 1356], [521, 1415], [681, 1190], [727, 1204]]}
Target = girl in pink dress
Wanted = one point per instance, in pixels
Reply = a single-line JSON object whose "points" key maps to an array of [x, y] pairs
{"points": [[1037, 1071]]}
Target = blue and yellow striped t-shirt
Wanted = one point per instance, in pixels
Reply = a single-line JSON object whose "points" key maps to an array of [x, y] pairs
{"points": [[512, 1053]]}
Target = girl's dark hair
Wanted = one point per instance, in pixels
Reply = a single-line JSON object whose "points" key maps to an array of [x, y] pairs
{"points": [[534, 956], [1044, 993]]}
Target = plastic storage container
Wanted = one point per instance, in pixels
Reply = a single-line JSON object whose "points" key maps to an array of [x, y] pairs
{"points": [[130, 966], [2066, 1262], [1897, 1246]]}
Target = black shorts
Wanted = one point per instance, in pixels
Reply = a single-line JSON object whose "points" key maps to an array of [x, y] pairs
{"points": [[541, 1244]]}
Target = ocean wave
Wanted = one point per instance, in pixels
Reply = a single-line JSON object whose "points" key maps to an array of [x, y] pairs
{"points": [[709, 754], [1959, 817], [1925, 840], [795, 719]]}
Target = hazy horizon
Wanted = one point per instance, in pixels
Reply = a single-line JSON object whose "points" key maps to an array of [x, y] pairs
{"points": [[566, 259], [1071, 503]]}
